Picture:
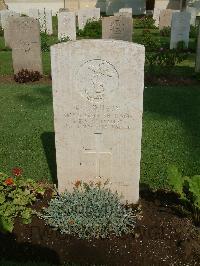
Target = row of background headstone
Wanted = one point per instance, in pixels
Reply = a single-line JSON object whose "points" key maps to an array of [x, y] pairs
{"points": [[119, 27]]}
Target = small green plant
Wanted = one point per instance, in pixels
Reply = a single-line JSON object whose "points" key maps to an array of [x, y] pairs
{"points": [[149, 41], [145, 22], [187, 188], [26, 75], [165, 32], [44, 42], [92, 29], [1, 32], [17, 194], [193, 31], [64, 39], [89, 211], [166, 57]]}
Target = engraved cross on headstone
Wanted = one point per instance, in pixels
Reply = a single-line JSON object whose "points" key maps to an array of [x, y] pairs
{"points": [[98, 152]]}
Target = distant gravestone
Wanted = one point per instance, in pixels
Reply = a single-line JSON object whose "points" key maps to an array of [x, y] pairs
{"points": [[165, 18], [42, 20], [98, 106], [33, 13], [125, 14], [7, 32], [87, 14], [193, 12], [45, 19], [118, 28], [197, 65], [180, 28], [67, 25], [49, 24], [5, 15], [126, 10], [156, 16], [25, 42]]}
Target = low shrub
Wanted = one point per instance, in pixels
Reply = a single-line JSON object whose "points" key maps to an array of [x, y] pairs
{"points": [[166, 57], [89, 211], [64, 39], [193, 31], [17, 194], [149, 41], [146, 22], [188, 189], [25, 75], [165, 32], [92, 29]]}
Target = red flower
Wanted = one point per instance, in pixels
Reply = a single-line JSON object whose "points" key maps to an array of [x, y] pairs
{"points": [[17, 171], [9, 181]]}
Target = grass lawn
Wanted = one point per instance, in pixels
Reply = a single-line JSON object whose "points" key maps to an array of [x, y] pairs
{"points": [[171, 131], [171, 124]]}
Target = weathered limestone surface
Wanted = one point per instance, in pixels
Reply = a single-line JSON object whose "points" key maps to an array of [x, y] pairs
{"points": [[180, 28], [118, 28], [165, 18], [98, 105], [87, 14], [67, 25], [156, 16], [25, 42]]}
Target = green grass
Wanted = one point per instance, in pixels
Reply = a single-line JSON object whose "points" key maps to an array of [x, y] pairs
{"points": [[171, 131], [26, 119], [171, 123]]}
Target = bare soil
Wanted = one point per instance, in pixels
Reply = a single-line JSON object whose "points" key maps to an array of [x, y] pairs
{"points": [[161, 238]]}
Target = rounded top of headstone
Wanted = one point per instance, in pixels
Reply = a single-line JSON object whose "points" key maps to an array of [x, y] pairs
{"points": [[100, 42]]}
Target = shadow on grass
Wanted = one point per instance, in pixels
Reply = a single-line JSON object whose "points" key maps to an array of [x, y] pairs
{"points": [[48, 142], [40, 95], [176, 71], [181, 146], [182, 103], [14, 253]]}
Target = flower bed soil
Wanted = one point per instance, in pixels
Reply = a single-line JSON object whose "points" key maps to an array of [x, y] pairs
{"points": [[161, 238]]}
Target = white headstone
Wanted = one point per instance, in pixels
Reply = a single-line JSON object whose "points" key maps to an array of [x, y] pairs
{"points": [[98, 106], [87, 14], [124, 14], [34, 13], [193, 12], [49, 24], [67, 25], [156, 16], [25, 42], [42, 20], [5, 14], [126, 10], [180, 28]]}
